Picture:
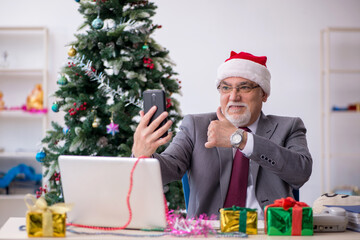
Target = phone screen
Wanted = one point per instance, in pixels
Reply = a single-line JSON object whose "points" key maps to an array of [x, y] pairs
{"points": [[157, 98]]}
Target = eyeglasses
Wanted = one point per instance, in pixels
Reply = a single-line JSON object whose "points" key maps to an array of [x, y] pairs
{"points": [[242, 89]]}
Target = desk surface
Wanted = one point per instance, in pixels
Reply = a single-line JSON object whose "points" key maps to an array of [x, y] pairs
{"points": [[10, 230]]}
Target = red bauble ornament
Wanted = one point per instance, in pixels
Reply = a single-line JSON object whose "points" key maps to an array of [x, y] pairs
{"points": [[168, 102]]}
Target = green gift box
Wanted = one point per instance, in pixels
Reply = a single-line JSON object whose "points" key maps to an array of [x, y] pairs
{"points": [[288, 217]]}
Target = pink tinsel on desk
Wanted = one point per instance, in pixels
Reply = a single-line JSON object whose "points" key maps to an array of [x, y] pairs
{"points": [[180, 226]]}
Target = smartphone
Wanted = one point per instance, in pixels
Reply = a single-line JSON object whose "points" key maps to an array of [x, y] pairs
{"points": [[155, 97]]}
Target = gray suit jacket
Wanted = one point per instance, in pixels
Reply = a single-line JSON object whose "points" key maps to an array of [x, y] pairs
{"points": [[281, 161]]}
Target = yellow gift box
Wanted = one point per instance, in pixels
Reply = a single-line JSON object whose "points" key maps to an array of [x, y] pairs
{"points": [[43, 220], [238, 219]]}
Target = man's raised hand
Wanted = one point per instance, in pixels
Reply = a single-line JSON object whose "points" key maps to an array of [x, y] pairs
{"points": [[219, 131], [146, 139]]}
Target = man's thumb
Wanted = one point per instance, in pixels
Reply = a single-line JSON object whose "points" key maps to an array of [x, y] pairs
{"points": [[220, 115], [208, 145]]}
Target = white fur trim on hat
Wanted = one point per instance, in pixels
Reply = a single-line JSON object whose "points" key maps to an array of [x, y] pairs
{"points": [[246, 69]]}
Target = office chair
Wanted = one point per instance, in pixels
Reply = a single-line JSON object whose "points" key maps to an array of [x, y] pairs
{"points": [[186, 189]]}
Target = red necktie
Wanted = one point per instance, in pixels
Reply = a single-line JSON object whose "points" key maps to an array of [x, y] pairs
{"points": [[236, 194]]}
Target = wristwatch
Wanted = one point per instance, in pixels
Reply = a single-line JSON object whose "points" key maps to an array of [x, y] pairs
{"points": [[236, 138]]}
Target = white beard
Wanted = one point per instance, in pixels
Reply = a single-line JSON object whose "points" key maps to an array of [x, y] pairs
{"points": [[238, 120]]}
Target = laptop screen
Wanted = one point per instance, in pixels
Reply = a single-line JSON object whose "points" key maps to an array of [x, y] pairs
{"points": [[98, 188]]}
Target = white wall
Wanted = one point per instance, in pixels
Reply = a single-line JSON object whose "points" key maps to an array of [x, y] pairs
{"points": [[200, 35]]}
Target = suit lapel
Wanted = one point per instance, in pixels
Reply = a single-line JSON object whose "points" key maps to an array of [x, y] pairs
{"points": [[265, 129], [225, 158]]}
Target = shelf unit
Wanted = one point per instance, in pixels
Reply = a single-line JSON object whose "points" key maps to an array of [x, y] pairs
{"points": [[340, 130], [26, 65]]}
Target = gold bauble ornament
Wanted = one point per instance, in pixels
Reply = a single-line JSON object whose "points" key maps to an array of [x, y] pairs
{"points": [[96, 122], [72, 52]]}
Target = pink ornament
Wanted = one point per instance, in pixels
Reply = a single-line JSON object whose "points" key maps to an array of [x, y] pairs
{"points": [[112, 128]]}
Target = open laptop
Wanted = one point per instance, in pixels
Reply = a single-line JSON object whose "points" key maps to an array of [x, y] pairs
{"points": [[98, 187]]}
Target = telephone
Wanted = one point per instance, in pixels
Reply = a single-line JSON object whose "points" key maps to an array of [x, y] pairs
{"points": [[331, 219], [155, 98]]}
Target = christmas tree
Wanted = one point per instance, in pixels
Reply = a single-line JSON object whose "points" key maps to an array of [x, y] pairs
{"points": [[111, 62]]}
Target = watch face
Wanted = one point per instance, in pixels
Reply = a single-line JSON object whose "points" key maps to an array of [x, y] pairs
{"points": [[236, 138]]}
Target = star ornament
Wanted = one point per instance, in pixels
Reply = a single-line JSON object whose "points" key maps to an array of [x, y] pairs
{"points": [[112, 128]]}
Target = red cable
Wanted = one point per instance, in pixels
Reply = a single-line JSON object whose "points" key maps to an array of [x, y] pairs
{"points": [[127, 202]]}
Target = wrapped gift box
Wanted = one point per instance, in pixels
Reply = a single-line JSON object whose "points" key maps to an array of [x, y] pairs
{"points": [[238, 219], [288, 217], [43, 220], [39, 225]]}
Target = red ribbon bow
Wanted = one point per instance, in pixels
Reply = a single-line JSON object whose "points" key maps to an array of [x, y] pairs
{"points": [[287, 203]]}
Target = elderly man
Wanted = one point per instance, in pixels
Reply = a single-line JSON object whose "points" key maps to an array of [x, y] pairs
{"points": [[238, 155]]}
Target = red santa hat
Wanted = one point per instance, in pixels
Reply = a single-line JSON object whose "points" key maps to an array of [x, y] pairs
{"points": [[247, 66]]}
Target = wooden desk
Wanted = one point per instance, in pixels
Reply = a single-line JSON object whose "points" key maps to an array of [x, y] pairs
{"points": [[10, 230]]}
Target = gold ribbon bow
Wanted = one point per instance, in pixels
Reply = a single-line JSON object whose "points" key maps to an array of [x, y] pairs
{"points": [[40, 206]]}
